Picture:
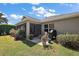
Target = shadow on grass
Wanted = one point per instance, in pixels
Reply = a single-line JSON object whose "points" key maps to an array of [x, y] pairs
{"points": [[25, 41], [69, 46], [29, 43]]}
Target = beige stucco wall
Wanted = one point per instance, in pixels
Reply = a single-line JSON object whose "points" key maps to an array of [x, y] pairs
{"points": [[67, 25]]}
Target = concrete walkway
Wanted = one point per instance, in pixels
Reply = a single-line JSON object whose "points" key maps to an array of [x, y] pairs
{"points": [[36, 40]]}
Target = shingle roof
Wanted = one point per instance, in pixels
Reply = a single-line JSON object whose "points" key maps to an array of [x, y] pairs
{"points": [[27, 18], [59, 17], [48, 19], [31, 19]]}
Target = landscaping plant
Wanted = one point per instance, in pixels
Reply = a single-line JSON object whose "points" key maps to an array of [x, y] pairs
{"points": [[69, 40]]}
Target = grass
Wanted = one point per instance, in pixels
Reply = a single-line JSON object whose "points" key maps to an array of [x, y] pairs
{"points": [[9, 47]]}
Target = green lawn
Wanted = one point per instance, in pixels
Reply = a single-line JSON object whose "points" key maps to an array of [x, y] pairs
{"points": [[9, 47]]}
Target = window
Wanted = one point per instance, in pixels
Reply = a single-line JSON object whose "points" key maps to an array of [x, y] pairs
{"points": [[51, 26], [48, 27], [32, 28], [46, 30], [35, 29]]}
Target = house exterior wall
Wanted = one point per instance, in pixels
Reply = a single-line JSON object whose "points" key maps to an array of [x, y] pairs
{"points": [[70, 25], [22, 27]]}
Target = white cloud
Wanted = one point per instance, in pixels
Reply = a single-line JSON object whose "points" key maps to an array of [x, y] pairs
{"points": [[49, 14], [41, 11], [10, 23], [51, 10], [24, 9], [14, 16], [5, 15], [38, 15]]}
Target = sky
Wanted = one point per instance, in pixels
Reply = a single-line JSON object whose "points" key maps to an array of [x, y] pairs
{"points": [[14, 11]]}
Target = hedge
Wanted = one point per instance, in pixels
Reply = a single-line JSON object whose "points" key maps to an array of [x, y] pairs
{"points": [[5, 28], [69, 40]]}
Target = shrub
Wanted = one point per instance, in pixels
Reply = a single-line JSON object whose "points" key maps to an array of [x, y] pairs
{"points": [[71, 40], [20, 34], [12, 32], [31, 36], [5, 28]]}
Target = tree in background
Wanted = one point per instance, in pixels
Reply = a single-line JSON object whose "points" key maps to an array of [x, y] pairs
{"points": [[3, 19], [5, 28]]}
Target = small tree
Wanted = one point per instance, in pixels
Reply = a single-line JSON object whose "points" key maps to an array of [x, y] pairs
{"points": [[13, 32], [20, 34], [3, 19]]}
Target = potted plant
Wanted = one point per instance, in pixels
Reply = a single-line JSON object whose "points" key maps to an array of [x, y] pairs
{"points": [[31, 36]]}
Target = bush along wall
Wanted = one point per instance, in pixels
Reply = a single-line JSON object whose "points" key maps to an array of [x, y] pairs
{"points": [[18, 34], [5, 28], [69, 40]]}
